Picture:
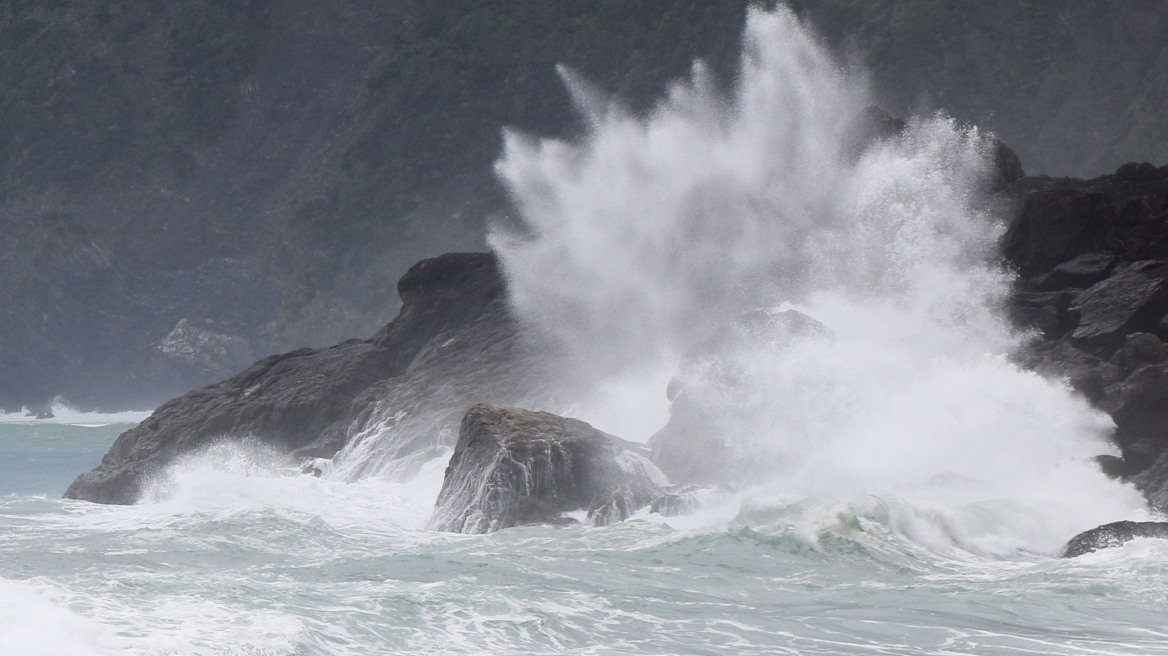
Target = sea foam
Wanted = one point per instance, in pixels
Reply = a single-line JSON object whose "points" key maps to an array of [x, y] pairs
{"points": [[651, 232]]}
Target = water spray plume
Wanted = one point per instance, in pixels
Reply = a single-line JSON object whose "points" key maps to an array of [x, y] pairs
{"points": [[653, 233]]}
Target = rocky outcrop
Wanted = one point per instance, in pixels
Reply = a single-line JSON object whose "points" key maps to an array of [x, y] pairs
{"points": [[513, 467], [206, 349], [1113, 535], [710, 408], [1093, 263], [305, 401]]}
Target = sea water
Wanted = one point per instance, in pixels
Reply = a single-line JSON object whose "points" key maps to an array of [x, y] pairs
{"points": [[259, 560], [920, 485]]}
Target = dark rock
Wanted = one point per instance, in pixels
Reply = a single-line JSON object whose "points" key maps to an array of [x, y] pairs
{"points": [[1109, 341], [708, 403], [1086, 373], [874, 125], [1139, 405], [292, 401], [1129, 301], [1007, 165], [1055, 226], [1115, 467], [1049, 312], [1113, 535], [1152, 482], [1139, 349], [513, 467], [205, 348], [1081, 272], [1138, 456], [678, 502]]}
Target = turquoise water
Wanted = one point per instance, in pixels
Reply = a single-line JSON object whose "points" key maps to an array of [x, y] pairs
{"points": [[44, 458], [259, 560]]}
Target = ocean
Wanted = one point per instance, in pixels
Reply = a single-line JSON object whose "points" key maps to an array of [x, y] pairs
{"points": [[247, 559], [918, 485]]}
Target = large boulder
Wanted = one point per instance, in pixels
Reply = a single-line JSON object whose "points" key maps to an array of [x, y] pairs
{"points": [[513, 467], [1113, 535], [1055, 226], [304, 400]]}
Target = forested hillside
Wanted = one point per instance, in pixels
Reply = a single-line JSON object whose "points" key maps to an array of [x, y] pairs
{"points": [[188, 185]]}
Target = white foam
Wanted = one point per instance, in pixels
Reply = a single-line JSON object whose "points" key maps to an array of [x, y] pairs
{"points": [[233, 476], [649, 233], [33, 623], [63, 414]]}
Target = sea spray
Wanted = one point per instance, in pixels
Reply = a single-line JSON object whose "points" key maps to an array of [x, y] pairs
{"points": [[652, 233]]}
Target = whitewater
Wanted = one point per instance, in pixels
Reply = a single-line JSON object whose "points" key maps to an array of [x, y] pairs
{"points": [[908, 487]]}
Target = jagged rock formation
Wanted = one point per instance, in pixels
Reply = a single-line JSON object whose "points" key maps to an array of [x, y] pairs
{"points": [[1113, 535], [514, 467], [304, 401], [1093, 262]]}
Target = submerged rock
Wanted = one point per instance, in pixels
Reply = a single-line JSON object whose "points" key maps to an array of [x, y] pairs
{"points": [[1113, 535], [305, 401], [513, 467]]}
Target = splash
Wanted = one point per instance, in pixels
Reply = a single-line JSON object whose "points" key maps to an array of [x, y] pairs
{"points": [[652, 234]]}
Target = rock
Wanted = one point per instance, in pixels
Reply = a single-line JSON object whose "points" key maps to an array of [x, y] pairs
{"points": [[874, 125], [1139, 349], [513, 467], [1115, 467], [1127, 302], [1007, 165], [1139, 405], [206, 350], [1109, 340], [1081, 272], [1086, 373], [296, 400], [710, 409], [1137, 457], [1055, 226], [1049, 312], [1113, 535], [676, 502], [1152, 482]]}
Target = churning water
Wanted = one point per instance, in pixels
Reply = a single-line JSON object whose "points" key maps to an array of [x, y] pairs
{"points": [[917, 486]]}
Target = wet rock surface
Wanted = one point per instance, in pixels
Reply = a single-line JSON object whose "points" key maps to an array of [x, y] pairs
{"points": [[1093, 262], [513, 467], [1113, 535], [306, 401]]}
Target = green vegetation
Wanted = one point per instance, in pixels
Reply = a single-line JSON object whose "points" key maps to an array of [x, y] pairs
{"points": [[1077, 88], [416, 175], [438, 97], [91, 87]]}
